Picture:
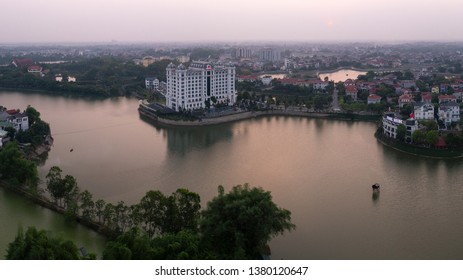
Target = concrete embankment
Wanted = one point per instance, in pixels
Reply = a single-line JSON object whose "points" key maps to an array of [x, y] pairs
{"points": [[251, 114]]}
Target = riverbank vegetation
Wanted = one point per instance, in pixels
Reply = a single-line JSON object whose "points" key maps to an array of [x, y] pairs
{"points": [[234, 225], [98, 76]]}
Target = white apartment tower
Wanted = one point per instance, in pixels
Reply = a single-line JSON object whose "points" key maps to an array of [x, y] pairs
{"points": [[189, 89]]}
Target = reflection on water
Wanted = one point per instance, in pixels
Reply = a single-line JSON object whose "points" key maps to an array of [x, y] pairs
{"points": [[181, 140], [320, 170], [341, 75], [375, 195]]}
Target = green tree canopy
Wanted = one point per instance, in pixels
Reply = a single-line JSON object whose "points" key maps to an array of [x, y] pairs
{"points": [[432, 137], [15, 168], [240, 223], [39, 245], [401, 131]]}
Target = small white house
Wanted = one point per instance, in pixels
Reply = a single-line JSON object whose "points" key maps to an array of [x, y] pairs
{"points": [[152, 83], [424, 111], [266, 80], [449, 112]]}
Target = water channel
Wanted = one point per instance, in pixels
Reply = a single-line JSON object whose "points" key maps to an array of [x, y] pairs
{"points": [[320, 170]]}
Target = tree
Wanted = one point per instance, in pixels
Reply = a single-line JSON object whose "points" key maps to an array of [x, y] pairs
{"points": [[432, 137], [99, 209], [418, 137], [87, 206], [153, 208], [39, 245], [182, 211], [240, 223], [401, 131], [32, 114], [15, 168]]}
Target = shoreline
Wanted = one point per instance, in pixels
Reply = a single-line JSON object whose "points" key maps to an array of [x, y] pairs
{"points": [[420, 151], [239, 116]]}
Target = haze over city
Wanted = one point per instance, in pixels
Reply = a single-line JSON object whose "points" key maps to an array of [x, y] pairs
{"points": [[239, 20]]}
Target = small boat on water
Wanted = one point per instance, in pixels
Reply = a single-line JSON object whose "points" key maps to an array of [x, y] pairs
{"points": [[375, 186]]}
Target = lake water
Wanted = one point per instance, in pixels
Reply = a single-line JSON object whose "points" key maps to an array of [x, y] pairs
{"points": [[320, 170], [341, 75]]}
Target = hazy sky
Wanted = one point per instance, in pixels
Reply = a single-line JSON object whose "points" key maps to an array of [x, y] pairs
{"points": [[229, 20]]}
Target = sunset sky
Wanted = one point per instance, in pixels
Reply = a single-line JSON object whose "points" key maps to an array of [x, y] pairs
{"points": [[229, 20]]}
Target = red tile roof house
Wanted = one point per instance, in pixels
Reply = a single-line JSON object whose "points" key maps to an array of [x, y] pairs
{"points": [[405, 99], [447, 98], [22, 62], [34, 69], [373, 99], [352, 92], [426, 97], [349, 82]]}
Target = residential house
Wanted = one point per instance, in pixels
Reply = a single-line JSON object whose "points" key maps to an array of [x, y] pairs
{"points": [[373, 99], [449, 112], [20, 121], [318, 84], [22, 62], [444, 88], [447, 98], [152, 83], [458, 94], [34, 69], [426, 97], [352, 92], [390, 124], [408, 83], [405, 99], [58, 78], [147, 60], [71, 79], [266, 80], [349, 82], [424, 111]]}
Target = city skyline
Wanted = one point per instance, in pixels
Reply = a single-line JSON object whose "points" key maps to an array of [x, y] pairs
{"points": [[212, 20]]}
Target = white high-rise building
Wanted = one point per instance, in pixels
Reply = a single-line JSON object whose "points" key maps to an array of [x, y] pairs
{"points": [[190, 89]]}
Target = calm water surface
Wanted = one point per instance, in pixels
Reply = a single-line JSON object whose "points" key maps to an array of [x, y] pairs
{"points": [[341, 75], [318, 169]]}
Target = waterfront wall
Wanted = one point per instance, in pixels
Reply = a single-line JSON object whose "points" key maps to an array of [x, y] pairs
{"points": [[254, 114]]}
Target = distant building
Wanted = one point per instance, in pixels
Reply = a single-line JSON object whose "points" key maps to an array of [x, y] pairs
{"points": [[269, 54], [34, 69], [71, 79], [183, 59], [22, 62], [352, 92], [447, 98], [405, 99], [152, 83], [373, 99], [13, 117], [449, 112], [390, 124], [424, 111], [243, 53], [266, 80], [58, 78], [148, 60], [426, 97], [192, 88]]}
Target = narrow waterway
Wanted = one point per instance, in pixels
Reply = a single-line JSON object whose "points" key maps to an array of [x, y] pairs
{"points": [[320, 170]]}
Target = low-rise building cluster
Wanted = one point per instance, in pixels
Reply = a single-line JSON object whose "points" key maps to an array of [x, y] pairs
{"points": [[12, 118]]}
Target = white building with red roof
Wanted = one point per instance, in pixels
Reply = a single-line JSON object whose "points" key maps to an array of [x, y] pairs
{"points": [[352, 92], [426, 97], [447, 98], [373, 99], [405, 99]]}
